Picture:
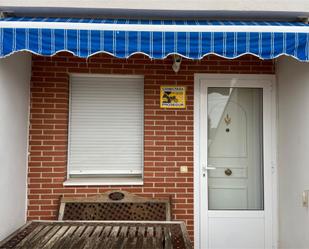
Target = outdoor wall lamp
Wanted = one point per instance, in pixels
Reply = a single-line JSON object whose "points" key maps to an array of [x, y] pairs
{"points": [[4, 14], [176, 63], [304, 19]]}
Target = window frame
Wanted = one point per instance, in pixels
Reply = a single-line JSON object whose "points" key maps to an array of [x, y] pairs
{"points": [[103, 180]]}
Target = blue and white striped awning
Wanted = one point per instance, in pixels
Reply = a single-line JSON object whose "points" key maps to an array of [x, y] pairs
{"points": [[155, 38]]}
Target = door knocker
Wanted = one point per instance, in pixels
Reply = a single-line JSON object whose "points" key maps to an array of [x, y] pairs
{"points": [[228, 172], [227, 121]]}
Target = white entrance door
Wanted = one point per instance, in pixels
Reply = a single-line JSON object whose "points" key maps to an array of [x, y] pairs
{"points": [[235, 162]]}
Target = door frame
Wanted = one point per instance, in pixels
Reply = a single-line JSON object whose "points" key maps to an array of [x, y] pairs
{"points": [[199, 203]]}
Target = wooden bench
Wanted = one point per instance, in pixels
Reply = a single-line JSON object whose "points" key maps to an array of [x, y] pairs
{"points": [[99, 234], [115, 205]]}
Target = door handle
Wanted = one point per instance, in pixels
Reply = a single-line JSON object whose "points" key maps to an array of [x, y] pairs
{"points": [[209, 167]]}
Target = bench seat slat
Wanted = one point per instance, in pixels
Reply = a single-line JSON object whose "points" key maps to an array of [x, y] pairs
{"points": [[100, 234]]}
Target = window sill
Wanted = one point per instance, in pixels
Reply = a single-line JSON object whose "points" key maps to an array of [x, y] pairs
{"points": [[103, 181]]}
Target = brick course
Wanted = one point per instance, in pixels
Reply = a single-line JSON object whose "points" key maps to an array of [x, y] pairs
{"points": [[168, 133]]}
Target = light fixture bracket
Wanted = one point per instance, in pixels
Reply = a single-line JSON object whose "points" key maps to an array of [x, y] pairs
{"points": [[5, 14], [176, 63]]}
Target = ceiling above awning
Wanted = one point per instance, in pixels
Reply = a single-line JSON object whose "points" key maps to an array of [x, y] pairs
{"points": [[155, 38]]}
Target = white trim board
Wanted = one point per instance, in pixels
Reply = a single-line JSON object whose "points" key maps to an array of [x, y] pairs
{"points": [[271, 233], [227, 7], [154, 27]]}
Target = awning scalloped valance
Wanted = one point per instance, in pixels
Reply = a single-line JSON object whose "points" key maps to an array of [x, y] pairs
{"points": [[155, 38]]}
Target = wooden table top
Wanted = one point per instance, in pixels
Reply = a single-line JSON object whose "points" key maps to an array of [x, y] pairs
{"points": [[99, 234]]}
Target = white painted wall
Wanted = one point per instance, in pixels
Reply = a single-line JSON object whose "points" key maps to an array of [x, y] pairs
{"points": [[293, 152], [170, 8], [14, 105]]}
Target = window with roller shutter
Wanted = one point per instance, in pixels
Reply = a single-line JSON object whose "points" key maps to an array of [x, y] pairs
{"points": [[106, 126]]}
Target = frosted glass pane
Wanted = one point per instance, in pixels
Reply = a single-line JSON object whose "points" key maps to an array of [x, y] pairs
{"points": [[235, 148]]}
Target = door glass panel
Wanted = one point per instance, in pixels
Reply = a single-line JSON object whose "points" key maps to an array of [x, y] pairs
{"points": [[235, 148]]}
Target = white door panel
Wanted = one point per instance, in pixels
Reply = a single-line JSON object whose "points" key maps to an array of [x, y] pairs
{"points": [[219, 142], [227, 197], [248, 233]]}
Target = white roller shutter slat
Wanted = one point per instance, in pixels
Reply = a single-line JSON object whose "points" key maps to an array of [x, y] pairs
{"points": [[106, 125]]}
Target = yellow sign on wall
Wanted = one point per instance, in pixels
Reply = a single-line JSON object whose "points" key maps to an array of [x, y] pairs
{"points": [[173, 97]]}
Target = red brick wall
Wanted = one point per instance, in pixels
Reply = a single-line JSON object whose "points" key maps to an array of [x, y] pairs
{"points": [[168, 133]]}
